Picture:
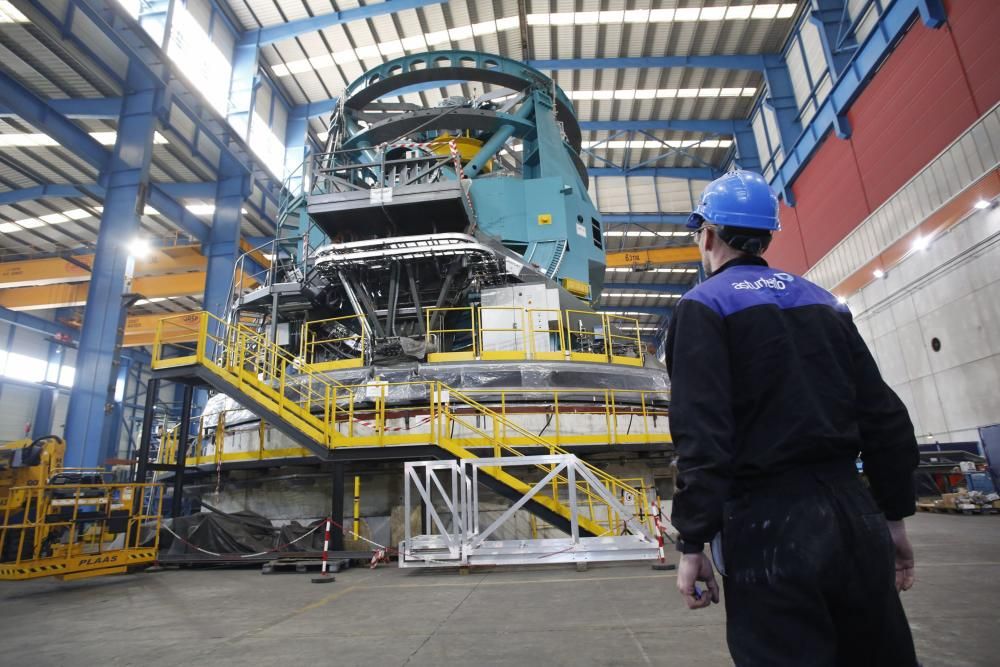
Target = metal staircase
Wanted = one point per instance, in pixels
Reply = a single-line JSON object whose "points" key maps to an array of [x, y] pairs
{"points": [[321, 414]]}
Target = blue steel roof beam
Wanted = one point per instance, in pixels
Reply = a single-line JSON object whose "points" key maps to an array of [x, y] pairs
{"points": [[889, 28], [36, 112], [644, 218], [43, 192], [779, 97], [734, 62], [836, 33], [28, 321], [658, 288], [78, 107], [727, 127], [746, 154], [293, 29], [122, 30], [645, 310], [699, 173]]}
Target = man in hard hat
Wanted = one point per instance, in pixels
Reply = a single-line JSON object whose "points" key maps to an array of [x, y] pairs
{"points": [[774, 396]]}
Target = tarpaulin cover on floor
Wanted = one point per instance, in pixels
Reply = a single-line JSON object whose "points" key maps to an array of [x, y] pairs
{"points": [[241, 532]]}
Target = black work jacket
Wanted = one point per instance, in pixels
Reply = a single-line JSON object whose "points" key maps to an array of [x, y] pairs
{"points": [[768, 374]]}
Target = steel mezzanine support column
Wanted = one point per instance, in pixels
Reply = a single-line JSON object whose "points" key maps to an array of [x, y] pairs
{"points": [[337, 505], [183, 431], [127, 177], [146, 435]]}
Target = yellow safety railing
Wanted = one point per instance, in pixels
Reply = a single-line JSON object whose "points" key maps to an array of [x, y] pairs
{"points": [[544, 342], [502, 333], [623, 341], [346, 346], [438, 333], [337, 415], [601, 515], [585, 333], [78, 530], [513, 333]]}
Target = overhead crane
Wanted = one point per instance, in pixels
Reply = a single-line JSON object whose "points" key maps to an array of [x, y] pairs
{"points": [[643, 257]]}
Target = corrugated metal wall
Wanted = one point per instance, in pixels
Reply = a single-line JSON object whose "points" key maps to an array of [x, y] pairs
{"points": [[930, 90]]}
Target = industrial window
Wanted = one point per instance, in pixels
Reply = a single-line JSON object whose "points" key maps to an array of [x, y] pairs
{"points": [[200, 58], [595, 230]]}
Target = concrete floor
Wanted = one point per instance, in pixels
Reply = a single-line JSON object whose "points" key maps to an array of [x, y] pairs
{"points": [[610, 615]]}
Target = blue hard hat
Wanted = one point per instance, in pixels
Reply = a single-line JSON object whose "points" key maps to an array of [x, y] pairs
{"points": [[741, 198]]}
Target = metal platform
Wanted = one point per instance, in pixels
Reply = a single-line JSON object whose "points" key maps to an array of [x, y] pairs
{"points": [[449, 492]]}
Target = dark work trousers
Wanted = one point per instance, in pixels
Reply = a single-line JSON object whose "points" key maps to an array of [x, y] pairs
{"points": [[810, 574]]}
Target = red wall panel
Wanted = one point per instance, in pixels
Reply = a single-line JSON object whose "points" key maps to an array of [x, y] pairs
{"points": [[830, 198], [913, 108], [930, 89], [786, 250], [974, 26]]}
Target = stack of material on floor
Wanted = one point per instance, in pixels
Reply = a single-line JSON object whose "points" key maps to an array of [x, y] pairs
{"points": [[966, 502]]}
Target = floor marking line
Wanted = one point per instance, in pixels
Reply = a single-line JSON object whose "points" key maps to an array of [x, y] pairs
{"points": [[302, 610], [522, 582], [443, 621], [628, 629]]}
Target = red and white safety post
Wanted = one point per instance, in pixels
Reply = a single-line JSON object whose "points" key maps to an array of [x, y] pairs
{"points": [[325, 577], [662, 563]]}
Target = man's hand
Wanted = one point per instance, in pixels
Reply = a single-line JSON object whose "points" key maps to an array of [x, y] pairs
{"points": [[694, 568], [904, 556]]}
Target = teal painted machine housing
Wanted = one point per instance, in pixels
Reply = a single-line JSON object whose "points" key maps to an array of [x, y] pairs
{"points": [[541, 209], [569, 243], [550, 222]]}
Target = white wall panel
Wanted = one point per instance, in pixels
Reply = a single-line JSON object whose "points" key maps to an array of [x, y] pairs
{"points": [[950, 292], [19, 404]]}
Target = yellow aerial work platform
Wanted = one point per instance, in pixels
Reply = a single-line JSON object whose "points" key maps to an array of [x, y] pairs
{"points": [[69, 523]]}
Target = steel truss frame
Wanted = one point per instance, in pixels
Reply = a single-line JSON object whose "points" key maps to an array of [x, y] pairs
{"points": [[453, 534]]}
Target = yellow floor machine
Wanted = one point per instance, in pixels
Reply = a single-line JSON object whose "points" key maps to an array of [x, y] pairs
{"points": [[70, 523]]}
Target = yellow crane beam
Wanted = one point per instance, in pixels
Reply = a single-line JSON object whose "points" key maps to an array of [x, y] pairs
{"points": [[140, 330], [649, 256], [58, 270], [68, 295]]}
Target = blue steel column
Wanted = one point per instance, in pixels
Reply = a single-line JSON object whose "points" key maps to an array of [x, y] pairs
{"points": [[747, 156], [780, 99], [223, 244], [127, 176], [117, 407], [242, 88]]}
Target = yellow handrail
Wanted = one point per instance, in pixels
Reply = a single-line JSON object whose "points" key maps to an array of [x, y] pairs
{"points": [[331, 413], [351, 347]]}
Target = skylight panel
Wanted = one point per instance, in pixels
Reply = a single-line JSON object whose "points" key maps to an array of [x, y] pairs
{"points": [[11, 14]]}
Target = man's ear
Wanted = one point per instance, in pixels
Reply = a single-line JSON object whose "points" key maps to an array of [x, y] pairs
{"points": [[710, 239]]}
